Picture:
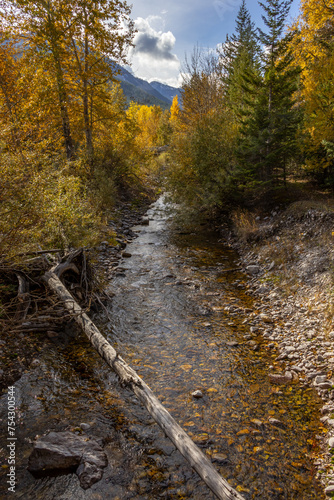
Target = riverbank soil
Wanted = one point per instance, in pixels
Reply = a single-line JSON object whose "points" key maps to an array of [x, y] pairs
{"points": [[289, 256]]}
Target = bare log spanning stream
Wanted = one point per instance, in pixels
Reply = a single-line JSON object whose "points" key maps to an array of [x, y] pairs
{"points": [[129, 377]]}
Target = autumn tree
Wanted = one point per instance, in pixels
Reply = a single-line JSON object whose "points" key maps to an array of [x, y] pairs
{"points": [[313, 49], [81, 40], [201, 168]]}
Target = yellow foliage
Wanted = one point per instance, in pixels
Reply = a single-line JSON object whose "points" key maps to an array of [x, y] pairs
{"points": [[314, 52], [174, 109]]}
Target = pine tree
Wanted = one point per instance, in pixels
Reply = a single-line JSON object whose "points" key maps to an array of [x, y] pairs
{"points": [[239, 58], [269, 131]]}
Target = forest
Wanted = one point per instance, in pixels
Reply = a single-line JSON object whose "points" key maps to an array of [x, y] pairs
{"points": [[255, 116]]}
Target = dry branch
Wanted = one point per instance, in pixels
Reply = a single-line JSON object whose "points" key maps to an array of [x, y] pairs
{"points": [[128, 376], [23, 297]]}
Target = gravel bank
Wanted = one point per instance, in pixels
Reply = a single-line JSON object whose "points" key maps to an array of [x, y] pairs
{"points": [[289, 256]]}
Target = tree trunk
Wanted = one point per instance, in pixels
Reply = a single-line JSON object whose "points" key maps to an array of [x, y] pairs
{"points": [[129, 377], [62, 94]]}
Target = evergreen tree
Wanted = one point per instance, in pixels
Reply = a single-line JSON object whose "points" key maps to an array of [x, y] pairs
{"points": [[269, 130], [239, 58]]}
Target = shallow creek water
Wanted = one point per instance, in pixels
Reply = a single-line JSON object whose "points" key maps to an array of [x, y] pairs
{"points": [[168, 321]]}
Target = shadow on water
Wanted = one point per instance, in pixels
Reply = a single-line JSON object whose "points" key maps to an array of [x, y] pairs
{"points": [[180, 321]]}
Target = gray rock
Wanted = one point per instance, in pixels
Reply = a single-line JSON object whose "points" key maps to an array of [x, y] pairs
{"points": [[219, 457], [319, 379], [197, 394], [329, 490], [324, 385], [85, 427], [88, 474], [265, 318], [331, 442], [65, 451], [276, 422], [253, 269]]}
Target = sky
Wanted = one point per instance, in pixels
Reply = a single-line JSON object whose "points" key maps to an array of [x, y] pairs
{"points": [[168, 30]]}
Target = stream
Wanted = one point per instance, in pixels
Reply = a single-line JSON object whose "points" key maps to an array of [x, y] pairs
{"points": [[179, 319]]}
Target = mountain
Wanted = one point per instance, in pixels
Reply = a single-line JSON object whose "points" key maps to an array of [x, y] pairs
{"points": [[140, 91], [166, 90], [140, 96]]}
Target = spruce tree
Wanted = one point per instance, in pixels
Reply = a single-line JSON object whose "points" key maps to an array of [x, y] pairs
{"points": [[239, 58], [269, 130]]}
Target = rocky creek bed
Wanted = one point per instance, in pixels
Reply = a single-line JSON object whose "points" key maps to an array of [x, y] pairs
{"points": [[218, 387], [289, 257]]}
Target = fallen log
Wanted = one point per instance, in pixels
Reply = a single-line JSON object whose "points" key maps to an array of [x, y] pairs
{"points": [[129, 377]]}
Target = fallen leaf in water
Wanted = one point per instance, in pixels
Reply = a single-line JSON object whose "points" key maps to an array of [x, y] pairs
{"points": [[239, 448], [253, 388], [242, 489], [186, 367], [256, 449], [212, 389], [242, 432]]}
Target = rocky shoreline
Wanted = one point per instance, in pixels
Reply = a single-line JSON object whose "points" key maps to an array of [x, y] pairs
{"points": [[289, 258]]}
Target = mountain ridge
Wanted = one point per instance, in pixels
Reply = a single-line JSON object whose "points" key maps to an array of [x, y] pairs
{"points": [[144, 92]]}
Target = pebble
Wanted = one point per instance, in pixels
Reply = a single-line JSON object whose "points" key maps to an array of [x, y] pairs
{"points": [[329, 490], [85, 426], [219, 457], [197, 394], [276, 422]]}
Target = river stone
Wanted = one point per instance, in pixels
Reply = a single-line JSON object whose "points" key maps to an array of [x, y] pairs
{"points": [[276, 422], [65, 451], [253, 269], [266, 318], [197, 394], [257, 422], [329, 490], [324, 385], [219, 457], [280, 378], [331, 442], [319, 379], [88, 474]]}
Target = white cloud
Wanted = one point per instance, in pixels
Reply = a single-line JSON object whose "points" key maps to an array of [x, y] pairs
{"points": [[152, 56]]}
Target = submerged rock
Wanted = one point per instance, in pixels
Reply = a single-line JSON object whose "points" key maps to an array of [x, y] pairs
{"points": [[280, 378], [197, 394], [65, 451]]}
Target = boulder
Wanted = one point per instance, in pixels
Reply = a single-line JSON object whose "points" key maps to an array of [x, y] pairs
{"points": [[65, 451]]}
